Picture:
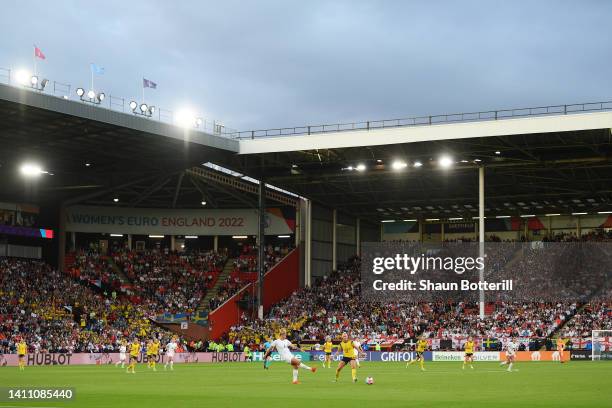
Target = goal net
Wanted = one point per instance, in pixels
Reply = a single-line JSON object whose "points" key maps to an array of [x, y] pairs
{"points": [[601, 345]]}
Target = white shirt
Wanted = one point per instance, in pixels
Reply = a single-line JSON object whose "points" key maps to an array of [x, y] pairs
{"points": [[122, 349], [170, 347], [282, 347], [511, 348]]}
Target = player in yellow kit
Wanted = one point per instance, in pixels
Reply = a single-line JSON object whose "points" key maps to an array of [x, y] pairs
{"points": [[152, 352], [148, 352], [420, 348], [348, 347], [327, 348], [22, 350], [469, 347], [134, 352], [561, 349]]}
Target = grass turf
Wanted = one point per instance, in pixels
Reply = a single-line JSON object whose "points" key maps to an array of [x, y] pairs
{"points": [[576, 384]]}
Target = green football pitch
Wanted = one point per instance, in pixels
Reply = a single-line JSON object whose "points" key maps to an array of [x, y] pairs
{"points": [[575, 384]]}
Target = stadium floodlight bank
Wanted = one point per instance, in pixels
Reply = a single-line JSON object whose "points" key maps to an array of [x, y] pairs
{"points": [[601, 345]]}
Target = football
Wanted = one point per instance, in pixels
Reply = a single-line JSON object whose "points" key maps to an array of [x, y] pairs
{"points": [[369, 380]]}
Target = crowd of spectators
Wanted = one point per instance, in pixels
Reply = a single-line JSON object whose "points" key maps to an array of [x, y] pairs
{"points": [[175, 282], [56, 313], [335, 304]]}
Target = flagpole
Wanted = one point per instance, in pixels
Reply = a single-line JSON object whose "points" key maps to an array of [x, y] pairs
{"points": [[142, 84], [35, 68], [91, 69]]}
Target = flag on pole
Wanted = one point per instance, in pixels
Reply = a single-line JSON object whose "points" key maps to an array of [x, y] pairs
{"points": [[148, 84], [96, 69], [38, 53]]}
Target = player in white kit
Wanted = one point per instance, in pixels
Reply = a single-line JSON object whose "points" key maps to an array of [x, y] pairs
{"points": [[122, 355], [511, 348], [283, 348], [170, 348], [357, 349]]}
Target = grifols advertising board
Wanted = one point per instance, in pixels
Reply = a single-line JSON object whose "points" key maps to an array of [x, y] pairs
{"points": [[144, 221]]}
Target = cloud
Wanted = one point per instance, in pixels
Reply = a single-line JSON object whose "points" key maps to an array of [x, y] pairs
{"points": [[263, 64]]}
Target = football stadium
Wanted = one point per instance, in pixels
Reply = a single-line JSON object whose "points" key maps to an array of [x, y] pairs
{"points": [[159, 258]]}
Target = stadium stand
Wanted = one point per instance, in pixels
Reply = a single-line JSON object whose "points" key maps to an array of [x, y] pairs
{"points": [[334, 305], [57, 313]]}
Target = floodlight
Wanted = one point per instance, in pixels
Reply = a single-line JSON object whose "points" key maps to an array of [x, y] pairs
{"points": [[203, 202], [116, 199], [445, 161], [43, 83], [418, 164], [398, 165], [80, 92], [143, 107], [185, 118], [101, 96], [34, 80], [151, 110], [31, 170], [91, 94], [133, 105], [198, 122], [360, 167], [22, 77]]}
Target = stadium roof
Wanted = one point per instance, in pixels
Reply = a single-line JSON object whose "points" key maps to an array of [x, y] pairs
{"points": [[537, 161], [546, 164], [137, 159]]}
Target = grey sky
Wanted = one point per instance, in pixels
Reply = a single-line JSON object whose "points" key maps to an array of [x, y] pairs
{"points": [[261, 64]]}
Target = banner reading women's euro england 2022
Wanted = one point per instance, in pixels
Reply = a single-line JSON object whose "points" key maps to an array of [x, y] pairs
{"points": [[144, 221]]}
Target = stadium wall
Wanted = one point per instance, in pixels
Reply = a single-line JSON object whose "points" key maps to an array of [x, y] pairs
{"points": [[279, 283], [192, 332]]}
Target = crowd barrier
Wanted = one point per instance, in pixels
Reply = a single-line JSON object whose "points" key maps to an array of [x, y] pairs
{"points": [[43, 359]]}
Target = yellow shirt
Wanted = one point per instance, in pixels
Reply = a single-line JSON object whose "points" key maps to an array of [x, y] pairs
{"points": [[469, 347], [348, 349], [421, 346], [327, 347], [134, 349], [153, 348], [22, 348], [560, 344]]}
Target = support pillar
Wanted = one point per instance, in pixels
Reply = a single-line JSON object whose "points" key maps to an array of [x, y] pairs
{"points": [[421, 229], [298, 224], [61, 250], [129, 242], [334, 240], [73, 241], [172, 243], [358, 237], [481, 232], [216, 243], [261, 245], [308, 244]]}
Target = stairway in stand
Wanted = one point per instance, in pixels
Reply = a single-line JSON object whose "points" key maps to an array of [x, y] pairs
{"points": [[122, 276], [221, 279]]}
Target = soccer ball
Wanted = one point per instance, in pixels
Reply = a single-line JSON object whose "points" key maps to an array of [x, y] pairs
{"points": [[369, 380]]}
